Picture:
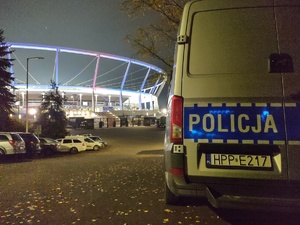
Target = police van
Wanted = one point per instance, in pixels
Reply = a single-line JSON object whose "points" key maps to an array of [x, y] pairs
{"points": [[233, 124]]}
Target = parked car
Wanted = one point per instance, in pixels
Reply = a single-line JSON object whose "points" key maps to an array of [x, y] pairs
{"points": [[93, 145], [32, 143], [161, 122], [72, 145], [49, 146], [11, 143], [99, 139], [90, 143]]}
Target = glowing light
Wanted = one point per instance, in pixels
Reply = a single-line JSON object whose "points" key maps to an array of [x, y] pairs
{"points": [[32, 111], [265, 113]]}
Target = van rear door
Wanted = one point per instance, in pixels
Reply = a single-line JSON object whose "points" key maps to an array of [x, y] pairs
{"points": [[288, 26], [234, 105]]}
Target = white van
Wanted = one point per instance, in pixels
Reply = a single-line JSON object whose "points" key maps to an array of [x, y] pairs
{"points": [[233, 124]]}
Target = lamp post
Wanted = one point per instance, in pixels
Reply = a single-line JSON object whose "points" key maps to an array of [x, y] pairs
{"points": [[26, 116]]}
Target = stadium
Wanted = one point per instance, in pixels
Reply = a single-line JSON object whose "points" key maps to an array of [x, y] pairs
{"points": [[107, 89]]}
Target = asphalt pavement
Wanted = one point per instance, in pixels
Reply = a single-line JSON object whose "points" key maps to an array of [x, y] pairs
{"points": [[121, 184]]}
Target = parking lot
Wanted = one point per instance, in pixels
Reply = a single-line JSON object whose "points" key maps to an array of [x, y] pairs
{"points": [[120, 184]]}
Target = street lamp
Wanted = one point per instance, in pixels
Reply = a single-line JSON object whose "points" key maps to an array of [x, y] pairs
{"points": [[26, 117]]}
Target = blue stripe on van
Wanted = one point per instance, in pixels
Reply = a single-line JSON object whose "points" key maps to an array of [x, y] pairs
{"points": [[293, 122], [249, 123]]}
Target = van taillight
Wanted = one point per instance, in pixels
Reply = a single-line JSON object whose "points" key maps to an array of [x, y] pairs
{"points": [[176, 120]]}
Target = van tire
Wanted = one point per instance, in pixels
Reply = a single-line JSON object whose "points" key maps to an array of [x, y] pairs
{"points": [[73, 150], [170, 197], [2, 152]]}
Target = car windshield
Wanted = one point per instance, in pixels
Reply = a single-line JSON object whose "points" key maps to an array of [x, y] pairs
{"points": [[96, 138], [88, 140], [43, 141]]}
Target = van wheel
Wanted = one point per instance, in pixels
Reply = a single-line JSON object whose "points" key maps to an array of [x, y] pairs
{"points": [[73, 150], [96, 148], [2, 152], [171, 199]]}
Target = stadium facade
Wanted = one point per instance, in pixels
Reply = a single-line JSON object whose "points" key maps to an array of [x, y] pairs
{"points": [[106, 87]]}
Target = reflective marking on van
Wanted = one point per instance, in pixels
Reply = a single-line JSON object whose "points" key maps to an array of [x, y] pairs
{"points": [[261, 104], [229, 141], [202, 104], [217, 141], [263, 142], [216, 104], [290, 104], [231, 104], [247, 123], [279, 142], [246, 104], [276, 105]]}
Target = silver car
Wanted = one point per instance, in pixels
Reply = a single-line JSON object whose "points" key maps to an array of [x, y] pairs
{"points": [[11, 143], [99, 139]]}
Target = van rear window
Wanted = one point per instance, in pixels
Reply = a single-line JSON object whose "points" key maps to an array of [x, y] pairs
{"points": [[234, 41]]}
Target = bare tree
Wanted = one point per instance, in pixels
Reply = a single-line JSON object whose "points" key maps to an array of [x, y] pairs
{"points": [[156, 40]]}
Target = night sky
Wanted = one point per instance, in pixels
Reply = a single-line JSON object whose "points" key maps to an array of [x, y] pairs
{"points": [[97, 25]]}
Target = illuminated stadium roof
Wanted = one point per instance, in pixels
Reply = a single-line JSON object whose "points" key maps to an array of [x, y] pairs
{"points": [[92, 79]]}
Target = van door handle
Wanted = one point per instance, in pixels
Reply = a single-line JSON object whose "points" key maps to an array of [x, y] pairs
{"points": [[281, 63]]}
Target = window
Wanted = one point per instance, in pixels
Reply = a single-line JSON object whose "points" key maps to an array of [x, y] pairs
{"points": [[3, 138], [67, 141], [16, 137], [235, 41], [88, 140]]}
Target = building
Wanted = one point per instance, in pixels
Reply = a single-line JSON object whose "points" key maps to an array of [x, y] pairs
{"points": [[89, 93]]}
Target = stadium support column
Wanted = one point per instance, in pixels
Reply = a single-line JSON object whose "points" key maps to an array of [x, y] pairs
{"points": [[80, 100], [142, 87], [93, 101], [122, 85], [56, 67], [94, 83]]}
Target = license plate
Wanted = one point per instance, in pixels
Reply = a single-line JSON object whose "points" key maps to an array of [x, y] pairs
{"points": [[238, 161]]}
